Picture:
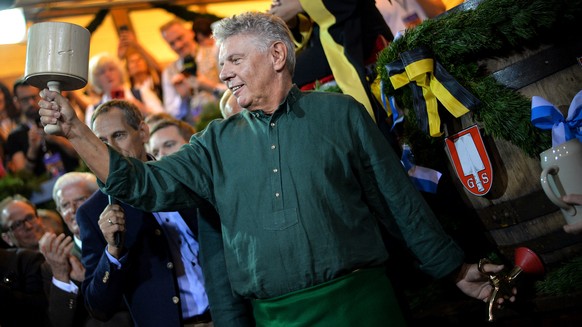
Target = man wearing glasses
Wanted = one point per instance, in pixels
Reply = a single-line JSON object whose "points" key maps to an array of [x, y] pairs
{"points": [[22, 299], [21, 226]]}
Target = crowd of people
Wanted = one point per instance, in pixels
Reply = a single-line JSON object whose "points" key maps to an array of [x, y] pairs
{"points": [[278, 214]]}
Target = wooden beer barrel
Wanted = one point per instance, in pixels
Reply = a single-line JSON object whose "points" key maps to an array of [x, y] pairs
{"points": [[516, 212]]}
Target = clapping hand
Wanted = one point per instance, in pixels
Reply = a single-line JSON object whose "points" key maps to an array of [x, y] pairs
{"points": [[57, 250]]}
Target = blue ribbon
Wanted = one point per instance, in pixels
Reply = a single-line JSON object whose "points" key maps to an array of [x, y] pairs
{"points": [[391, 107], [545, 115]]}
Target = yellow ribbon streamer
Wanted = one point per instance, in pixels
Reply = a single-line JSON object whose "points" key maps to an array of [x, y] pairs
{"points": [[344, 72]]}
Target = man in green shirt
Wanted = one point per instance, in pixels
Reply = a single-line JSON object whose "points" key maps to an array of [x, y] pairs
{"points": [[301, 181]]}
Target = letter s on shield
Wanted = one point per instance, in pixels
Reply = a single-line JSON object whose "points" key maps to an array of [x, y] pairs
{"points": [[467, 153]]}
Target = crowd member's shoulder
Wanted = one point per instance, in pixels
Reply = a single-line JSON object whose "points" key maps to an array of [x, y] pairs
{"points": [[25, 257], [27, 253]]}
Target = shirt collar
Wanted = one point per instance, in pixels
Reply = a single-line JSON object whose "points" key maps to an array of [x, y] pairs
{"points": [[78, 242], [287, 103]]}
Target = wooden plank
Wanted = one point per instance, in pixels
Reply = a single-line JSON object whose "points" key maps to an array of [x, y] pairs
{"points": [[38, 10], [121, 19]]}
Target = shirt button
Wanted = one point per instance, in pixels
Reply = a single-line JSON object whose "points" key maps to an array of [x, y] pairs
{"points": [[158, 232], [169, 265], [272, 124], [273, 147], [175, 299], [277, 194], [275, 170]]}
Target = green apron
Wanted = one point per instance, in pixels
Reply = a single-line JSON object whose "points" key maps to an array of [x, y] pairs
{"points": [[362, 298]]}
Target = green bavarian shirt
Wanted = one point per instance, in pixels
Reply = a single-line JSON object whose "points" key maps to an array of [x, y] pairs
{"points": [[298, 193]]}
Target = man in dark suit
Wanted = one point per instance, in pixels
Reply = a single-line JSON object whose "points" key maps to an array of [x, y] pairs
{"points": [[22, 300], [63, 254], [148, 259]]}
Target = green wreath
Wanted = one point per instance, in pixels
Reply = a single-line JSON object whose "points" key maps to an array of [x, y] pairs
{"points": [[460, 38]]}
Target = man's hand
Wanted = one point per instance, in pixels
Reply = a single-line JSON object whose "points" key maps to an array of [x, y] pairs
{"points": [[112, 220], [56, 110], [286, 9], [77, 269], [182, 85], [476, 284], [126, 40], [57, 250]]}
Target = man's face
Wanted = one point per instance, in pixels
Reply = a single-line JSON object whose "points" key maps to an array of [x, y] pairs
{"points": [[71, 197], [180, 39], [166, 141], [112, 128], [27, 98], [24, 227], [247, 71]]}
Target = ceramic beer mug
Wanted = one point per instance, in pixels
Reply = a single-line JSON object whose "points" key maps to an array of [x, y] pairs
{"points": [[561, 175]]}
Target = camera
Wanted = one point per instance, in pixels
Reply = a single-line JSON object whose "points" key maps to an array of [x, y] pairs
{"points": [[189, 66]]}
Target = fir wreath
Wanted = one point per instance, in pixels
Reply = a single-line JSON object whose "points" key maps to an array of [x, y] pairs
{"points": [[459, 39]]}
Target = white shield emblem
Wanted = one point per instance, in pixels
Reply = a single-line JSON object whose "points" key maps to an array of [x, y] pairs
{"points": [[470, 159]]}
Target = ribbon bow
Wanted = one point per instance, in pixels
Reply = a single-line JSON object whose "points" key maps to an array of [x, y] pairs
{"points": [[430, 82], [545, 115]]}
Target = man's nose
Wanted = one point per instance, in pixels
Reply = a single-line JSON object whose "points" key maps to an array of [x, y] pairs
{"points": [[28, 224], [224, 74], [74, 207]]}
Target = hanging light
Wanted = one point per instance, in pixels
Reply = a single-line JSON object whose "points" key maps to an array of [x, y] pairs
{"points": [[12, 26]]}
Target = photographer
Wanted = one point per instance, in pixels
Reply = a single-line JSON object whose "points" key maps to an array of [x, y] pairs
{"points": [[186, 88]]}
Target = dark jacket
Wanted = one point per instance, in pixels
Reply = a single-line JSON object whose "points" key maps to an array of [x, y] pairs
{"points": [[67, 309], [23, 302], [147, 281]]}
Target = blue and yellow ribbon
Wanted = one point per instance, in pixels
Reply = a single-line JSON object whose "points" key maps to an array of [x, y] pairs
{"points": [[430, 83]]}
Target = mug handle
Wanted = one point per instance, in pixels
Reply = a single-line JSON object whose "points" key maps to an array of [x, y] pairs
{"points": [[553, 170]]}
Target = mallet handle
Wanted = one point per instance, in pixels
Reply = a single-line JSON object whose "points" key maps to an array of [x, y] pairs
{"points": [[53, 128]]}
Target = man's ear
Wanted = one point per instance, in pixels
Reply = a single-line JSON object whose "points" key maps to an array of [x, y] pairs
{"points": [[279, 55], [144, 132], [6, 238]]}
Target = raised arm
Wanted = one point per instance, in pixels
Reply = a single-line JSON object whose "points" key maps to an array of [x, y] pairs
{"points": [[55, 109]]}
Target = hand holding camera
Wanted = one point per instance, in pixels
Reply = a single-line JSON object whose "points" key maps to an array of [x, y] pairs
{"points": [[190, 68]]}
